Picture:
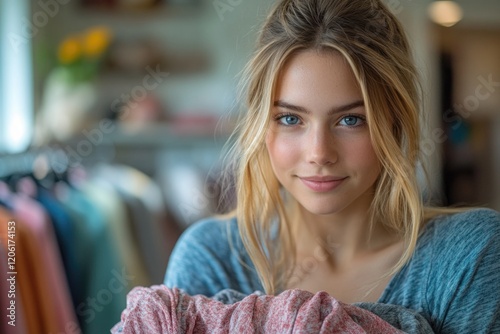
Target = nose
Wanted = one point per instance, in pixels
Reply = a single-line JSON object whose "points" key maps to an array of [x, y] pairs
{"points": [[321, 147]]}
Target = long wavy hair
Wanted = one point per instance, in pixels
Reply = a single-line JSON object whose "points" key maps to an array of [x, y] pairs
{"points": [[374, 44]]}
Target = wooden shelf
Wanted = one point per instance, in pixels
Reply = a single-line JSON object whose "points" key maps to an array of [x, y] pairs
{"points": [[168, 136]]}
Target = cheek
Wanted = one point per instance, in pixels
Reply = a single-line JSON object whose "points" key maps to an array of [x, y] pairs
{"points": [[282, 151], [365, 158]]}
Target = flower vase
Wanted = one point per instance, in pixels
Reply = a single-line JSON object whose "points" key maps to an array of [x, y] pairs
{"points": [[67, 107]]}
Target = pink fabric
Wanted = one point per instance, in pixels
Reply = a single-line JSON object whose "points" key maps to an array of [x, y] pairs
{"points": [[162, 310]]}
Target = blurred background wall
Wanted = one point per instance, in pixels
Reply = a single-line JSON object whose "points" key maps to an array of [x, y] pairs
{"points": [[459, 64], [194, 50], [133, 100]]}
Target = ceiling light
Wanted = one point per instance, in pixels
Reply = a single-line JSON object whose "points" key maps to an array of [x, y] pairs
{"points": [[445, 13]]}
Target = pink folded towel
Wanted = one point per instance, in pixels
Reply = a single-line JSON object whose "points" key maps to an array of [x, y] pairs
{"points": [[162, 310]]}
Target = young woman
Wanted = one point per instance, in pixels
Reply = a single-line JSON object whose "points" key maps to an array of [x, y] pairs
{"points": [[327, 194]]}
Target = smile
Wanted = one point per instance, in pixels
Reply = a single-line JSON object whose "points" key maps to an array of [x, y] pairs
{"points": [[322, 184]]}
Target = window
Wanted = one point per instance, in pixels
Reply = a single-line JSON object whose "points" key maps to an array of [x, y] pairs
{"points": [[16, 79]]}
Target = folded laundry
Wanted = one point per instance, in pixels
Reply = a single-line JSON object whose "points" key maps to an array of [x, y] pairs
{"points": [[163, 310]]}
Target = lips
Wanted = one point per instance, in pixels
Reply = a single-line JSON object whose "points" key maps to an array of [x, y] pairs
{"points": [[322, 183]]}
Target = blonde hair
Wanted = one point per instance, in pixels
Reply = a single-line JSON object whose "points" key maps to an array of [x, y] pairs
{"points": [[373, 42]]}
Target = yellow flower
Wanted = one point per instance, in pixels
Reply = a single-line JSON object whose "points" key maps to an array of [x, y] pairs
{"points": [[69, 50], [95, 41]]}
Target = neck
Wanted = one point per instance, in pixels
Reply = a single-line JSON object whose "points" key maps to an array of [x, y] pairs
{"points": [[343, 237]]}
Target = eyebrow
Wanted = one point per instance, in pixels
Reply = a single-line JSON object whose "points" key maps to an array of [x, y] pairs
{"points": [[342, 108]]}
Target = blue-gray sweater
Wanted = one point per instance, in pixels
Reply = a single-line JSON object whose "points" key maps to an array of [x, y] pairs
{"points": [[451, 283]]}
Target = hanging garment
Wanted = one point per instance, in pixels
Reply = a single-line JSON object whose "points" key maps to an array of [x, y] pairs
{"points": [[9, 324], [29, 293], [43, 284], [106, 280], [146, 210], [104, 197], [66, 239]]}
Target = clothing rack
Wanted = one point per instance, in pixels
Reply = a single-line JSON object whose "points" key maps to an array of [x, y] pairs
{"points": [[103, 232], [37, 161], [57, 158]]}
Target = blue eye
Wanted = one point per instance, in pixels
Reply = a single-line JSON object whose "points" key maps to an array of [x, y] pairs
{"points": [[288, 120], [352, 121]]}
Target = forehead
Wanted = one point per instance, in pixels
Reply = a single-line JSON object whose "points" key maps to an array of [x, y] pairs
{"points": [[317, 80]]}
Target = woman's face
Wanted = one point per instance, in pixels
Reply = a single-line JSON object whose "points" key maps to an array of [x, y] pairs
{"points": [[318, 141]]}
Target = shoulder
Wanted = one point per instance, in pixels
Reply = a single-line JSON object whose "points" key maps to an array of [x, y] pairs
{"points": [[474, 217], [463, 271], [212, 233], [209, 257], [206, 238], [461, 240], [449, 246], [210, 226], [468, 229], [453, 270]]}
